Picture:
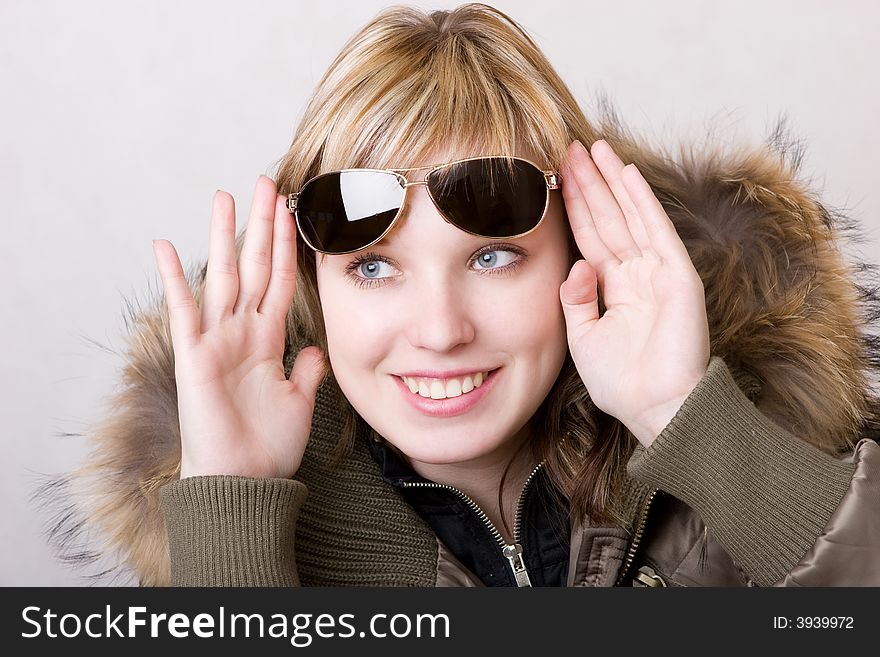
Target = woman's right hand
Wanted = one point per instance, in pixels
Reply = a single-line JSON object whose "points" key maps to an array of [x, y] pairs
{"points": [[239, 414]]}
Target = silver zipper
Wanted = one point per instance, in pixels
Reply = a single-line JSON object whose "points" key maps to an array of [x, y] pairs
{"points": [[513, 551], [637, 537]]}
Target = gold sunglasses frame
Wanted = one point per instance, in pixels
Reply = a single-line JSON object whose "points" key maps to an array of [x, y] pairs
{"points": [[552, 180]]}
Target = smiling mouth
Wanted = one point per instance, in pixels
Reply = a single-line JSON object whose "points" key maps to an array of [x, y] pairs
{"points": [[457, 386]]}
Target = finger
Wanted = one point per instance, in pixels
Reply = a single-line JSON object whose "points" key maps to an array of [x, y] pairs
{"points": [[282, 284], [221, 284], [183, 312], [661, 231], [256, 253], [610, 166], [585, 234], [607, 215], [579, 295]]}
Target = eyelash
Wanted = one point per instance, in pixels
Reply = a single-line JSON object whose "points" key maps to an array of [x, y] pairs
{"points": [[360, 281]]}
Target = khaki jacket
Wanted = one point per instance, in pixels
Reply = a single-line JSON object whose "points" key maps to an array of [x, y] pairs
{"points": [[768, 475]]}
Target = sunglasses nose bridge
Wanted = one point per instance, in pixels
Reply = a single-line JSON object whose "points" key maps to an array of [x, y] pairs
{"points": [[430, 196]]}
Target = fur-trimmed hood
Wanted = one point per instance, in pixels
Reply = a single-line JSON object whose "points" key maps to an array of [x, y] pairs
{"points": [[789, 316]]}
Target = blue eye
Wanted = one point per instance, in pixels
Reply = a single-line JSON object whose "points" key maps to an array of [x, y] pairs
{"points": [[364, 270], [370, 268], [489, 259]]}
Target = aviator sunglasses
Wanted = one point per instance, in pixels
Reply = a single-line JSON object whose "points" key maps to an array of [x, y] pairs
{"points": [[492, 196]]}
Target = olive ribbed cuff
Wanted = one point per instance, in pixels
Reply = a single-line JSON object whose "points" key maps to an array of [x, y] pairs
{"points": [[766, 494], [232, 531]]}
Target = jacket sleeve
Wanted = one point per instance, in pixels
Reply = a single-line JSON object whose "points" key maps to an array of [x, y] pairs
{"points": [[232, 531], [786, 512]]}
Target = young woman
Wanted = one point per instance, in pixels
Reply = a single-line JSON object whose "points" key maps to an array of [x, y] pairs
{"points": [[455, 346]]}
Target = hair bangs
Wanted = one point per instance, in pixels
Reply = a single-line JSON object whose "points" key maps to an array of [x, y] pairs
{"points": [[447, 103]]}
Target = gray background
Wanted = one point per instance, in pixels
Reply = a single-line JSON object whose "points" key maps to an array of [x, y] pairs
{"points": [[121, 119]]}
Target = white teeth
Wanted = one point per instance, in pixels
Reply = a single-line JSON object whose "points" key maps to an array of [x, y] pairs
{"points": [[453, 388], [443, 389]]}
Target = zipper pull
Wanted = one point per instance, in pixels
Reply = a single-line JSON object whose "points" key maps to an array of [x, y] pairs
{"points": [[513, 553]]}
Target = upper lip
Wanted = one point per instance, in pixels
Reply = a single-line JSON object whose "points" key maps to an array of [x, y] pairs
{"points": [[448, 374]]}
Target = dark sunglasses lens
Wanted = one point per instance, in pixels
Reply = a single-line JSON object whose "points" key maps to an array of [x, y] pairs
{"points": [[492, 197], [346, 211]]}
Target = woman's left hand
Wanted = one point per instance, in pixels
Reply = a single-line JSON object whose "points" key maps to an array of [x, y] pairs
{"points": [[643, 357]]}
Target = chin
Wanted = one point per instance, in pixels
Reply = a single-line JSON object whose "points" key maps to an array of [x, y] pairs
{"points": [[438, 450]]}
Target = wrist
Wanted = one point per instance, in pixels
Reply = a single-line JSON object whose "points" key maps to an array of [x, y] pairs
{"points": [[649, 424], [188, 470]]}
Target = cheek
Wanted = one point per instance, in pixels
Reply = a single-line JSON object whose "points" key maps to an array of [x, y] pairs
{"points": [[527, 315], [355, 331]]}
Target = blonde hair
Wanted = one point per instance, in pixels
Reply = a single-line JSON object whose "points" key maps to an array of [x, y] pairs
{"points": [[388, 101]]}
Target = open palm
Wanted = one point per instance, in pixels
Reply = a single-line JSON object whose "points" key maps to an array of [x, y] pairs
{"points": [[239, 414], [643, 356]]}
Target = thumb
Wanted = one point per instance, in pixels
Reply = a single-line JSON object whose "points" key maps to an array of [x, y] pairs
{"points": [[308, 370], [579, 295]]}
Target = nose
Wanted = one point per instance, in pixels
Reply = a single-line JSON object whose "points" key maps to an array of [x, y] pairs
{"points": [[441, 319], [440, 311]]}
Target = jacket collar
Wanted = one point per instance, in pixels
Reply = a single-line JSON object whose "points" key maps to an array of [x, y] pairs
{"points": [[543, 533]]}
